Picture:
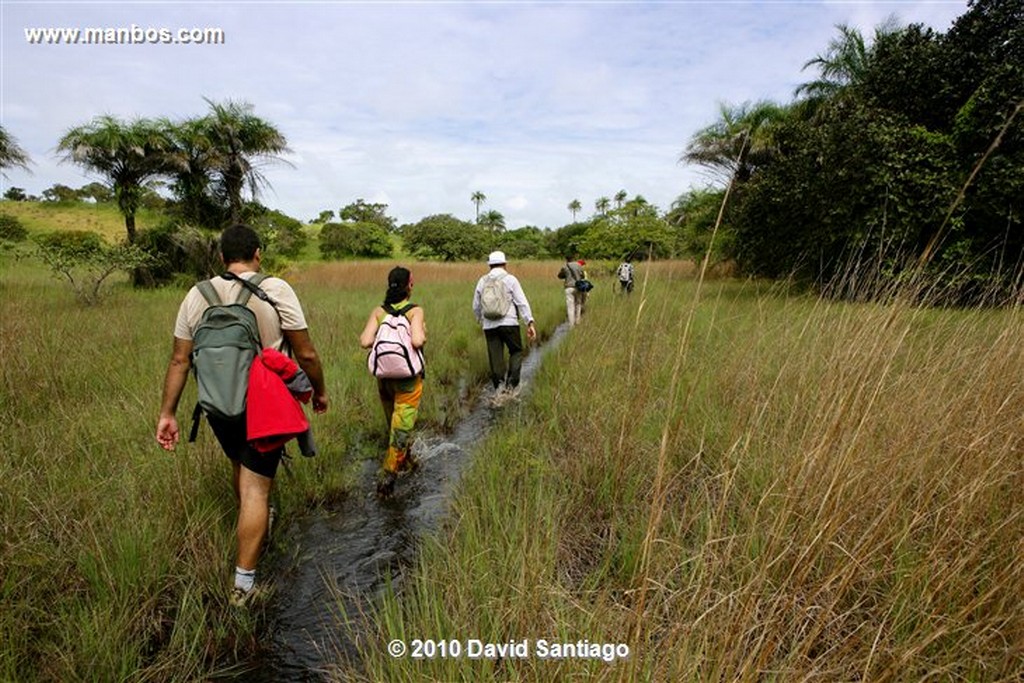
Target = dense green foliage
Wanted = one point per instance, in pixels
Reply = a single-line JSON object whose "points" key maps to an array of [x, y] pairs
{"points": [[364, 231], [11, 228], [281, 234], [905, 157], [446, 237], [354, 239], [529, 242], [363, 212]]}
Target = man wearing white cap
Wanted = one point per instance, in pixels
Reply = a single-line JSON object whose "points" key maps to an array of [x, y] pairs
{"points": [[498, 304]]}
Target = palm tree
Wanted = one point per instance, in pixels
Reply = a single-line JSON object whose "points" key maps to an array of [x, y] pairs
{"points": [[739, 142], [191, 161], [478, 198], [620, 198], [602, 205], [637, 204], [240, 141], [574, 207], [493, 220], [845, 62], [11, 155], [127, 154]]}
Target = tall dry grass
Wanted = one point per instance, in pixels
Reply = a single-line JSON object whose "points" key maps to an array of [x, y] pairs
{"points": [[115, 557], [743, 485]]}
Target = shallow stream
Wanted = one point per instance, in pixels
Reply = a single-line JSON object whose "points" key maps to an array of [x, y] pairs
{"points": [[353, 549]]}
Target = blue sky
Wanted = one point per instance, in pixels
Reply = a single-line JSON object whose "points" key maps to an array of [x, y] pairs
{"points": [[420, 104]]}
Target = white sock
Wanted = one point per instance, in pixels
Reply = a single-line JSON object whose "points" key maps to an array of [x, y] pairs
{"points": [[245, 578]]}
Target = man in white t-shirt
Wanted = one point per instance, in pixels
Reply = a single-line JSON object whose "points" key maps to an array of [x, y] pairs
{"points": [[282, 327]]}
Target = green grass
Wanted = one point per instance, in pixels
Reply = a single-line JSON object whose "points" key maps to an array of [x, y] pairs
{"points": [[740, 484], [105, 219]]}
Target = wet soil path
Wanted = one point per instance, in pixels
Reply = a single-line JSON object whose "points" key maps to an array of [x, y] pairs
{"points": [[354, 548]]}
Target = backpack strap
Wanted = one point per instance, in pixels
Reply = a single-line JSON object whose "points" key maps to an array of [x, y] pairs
{"points": [[209, 293], [250, 287], [391, 310]]}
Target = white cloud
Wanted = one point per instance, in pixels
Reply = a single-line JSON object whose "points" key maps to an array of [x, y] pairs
{"points": [[419, 105]]}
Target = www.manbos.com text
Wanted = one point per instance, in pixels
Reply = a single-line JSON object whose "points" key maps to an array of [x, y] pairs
{"points": [[124, 35]]}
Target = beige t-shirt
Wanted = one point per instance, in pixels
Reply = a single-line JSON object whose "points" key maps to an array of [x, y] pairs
{"points": [[288, 316]]}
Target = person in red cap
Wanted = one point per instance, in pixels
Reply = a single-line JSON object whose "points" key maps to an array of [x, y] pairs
{"points": [[499, 303]]}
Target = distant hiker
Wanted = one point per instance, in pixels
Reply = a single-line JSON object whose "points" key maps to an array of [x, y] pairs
{"points": [[571, 274], [281, 325], [625, 273], [395, 334], [498, 304], [584, 286]]}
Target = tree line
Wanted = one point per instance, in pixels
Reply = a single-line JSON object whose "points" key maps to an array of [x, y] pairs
{"points": [[903, 159]]}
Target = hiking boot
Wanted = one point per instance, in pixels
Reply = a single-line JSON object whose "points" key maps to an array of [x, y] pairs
{"points": [[500, 398], [504, 395], [386, 485], [409, 465], [239, 597]]}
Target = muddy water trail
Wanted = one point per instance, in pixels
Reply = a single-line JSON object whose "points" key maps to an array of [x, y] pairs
{"points": [[354, 548]]}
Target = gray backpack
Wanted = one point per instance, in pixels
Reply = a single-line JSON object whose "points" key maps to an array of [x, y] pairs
{"points": [[495, 299], [224, 344]]}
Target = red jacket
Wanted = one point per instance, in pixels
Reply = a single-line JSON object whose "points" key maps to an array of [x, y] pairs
{"points": [[272, 416]]}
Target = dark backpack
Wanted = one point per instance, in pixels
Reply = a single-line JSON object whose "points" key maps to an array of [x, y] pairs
{"points": [[224, 344], [392, 355]]}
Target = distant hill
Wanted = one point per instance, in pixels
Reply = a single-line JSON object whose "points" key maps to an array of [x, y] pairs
{"points": [[105, 219]]}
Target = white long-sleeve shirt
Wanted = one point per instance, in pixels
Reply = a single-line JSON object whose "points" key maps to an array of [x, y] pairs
{"points": [[520, 307]]}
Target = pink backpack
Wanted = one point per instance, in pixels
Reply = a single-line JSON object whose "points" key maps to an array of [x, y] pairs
{"points": [[392, 355]]}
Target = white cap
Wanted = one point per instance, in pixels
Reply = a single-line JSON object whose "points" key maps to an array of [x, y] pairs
{"points": [[496, 258]]}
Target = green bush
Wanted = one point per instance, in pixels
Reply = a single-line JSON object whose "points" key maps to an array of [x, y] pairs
{"points": [[177, 249], [86, 262], [280, 234], [448, 238], [11, 228], [359, 239], [524, 243], [72, 243]]}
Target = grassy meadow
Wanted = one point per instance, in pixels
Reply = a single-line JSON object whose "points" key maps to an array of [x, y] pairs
{"points": [[116, 556], [735, 482], [755, 486]]}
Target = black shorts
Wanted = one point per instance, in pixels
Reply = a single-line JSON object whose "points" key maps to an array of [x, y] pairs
{"points": [[232, 438]]}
